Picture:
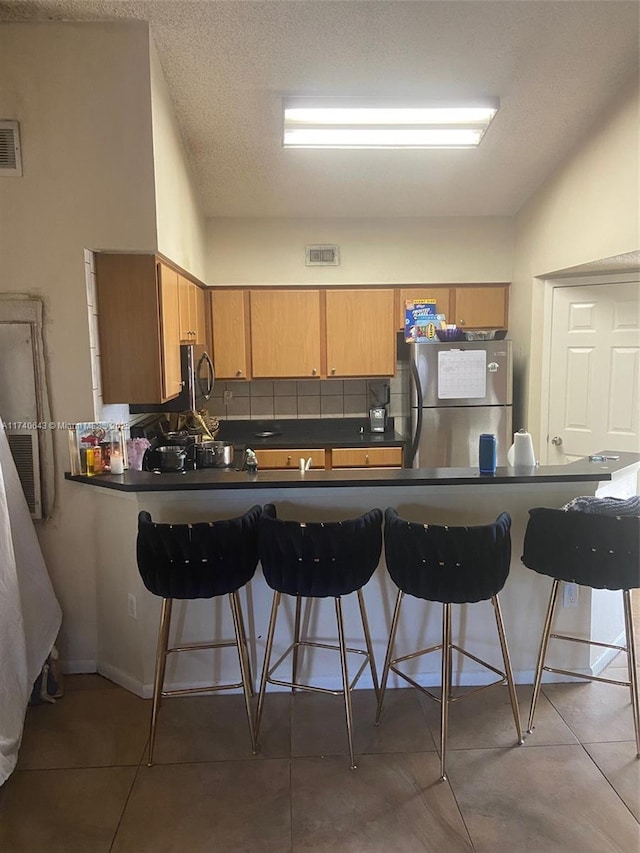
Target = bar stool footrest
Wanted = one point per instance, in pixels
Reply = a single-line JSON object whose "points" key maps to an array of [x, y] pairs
{"points": [[310, 687]]}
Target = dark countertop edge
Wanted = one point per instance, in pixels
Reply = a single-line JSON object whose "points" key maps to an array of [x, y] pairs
{"points": [[218, 479]]}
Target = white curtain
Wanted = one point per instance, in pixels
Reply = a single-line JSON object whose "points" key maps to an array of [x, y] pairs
{"points": [[30, 616]]}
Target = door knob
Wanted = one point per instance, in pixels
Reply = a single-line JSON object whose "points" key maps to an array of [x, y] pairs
{"points": [[556, 440]]}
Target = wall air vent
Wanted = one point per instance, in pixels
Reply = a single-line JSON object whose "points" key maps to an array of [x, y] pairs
{"points": [[322, 256], [10, 157], [24, 449]]}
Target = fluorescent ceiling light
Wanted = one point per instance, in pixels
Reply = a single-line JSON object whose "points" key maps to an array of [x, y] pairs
{"points": [[346, 123]]}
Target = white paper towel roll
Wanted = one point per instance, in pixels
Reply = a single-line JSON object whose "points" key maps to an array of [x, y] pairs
{"points": [[523, 455]]}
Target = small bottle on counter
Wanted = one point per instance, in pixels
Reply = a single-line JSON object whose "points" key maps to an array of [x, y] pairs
{"points": [[487, 453], [250, 461], [97, 460]]}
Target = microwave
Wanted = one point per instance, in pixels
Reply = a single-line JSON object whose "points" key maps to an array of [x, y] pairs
{"points": [[198, 377]]}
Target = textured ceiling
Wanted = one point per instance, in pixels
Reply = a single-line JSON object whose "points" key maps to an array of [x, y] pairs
{"points": [[554, 64]]}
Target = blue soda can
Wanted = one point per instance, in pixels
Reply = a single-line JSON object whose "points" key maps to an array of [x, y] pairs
{"points": [[487, 453]]}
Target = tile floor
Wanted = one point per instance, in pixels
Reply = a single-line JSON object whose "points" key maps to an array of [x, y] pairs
{"points": [[82, 784]]}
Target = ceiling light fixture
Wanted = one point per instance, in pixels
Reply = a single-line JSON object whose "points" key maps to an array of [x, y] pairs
{"points": [[351, 123]]}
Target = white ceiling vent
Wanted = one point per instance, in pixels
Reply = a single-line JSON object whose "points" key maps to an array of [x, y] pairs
{"points": [[10, 157], [322, 256]]}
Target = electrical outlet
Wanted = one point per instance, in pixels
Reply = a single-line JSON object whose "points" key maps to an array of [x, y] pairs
{"points": [[227, 397], [569, 594], [132, 606]]}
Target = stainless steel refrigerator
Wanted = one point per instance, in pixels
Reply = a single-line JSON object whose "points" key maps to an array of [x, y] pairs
{"points": [[458, 391]]}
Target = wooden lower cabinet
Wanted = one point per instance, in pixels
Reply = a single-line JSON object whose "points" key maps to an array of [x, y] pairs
{"points": [[331, 458], [366, 457], [289, 459]]}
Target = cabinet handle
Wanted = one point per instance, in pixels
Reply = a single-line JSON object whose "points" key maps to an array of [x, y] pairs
{"points": [[462, 323], [366, 458], [288, 460], [333, 370], [313, 372], [238, 373]]}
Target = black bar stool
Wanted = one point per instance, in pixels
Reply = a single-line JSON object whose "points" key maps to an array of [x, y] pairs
{"points": [[204, 560], [593, 550], [452, 565], [312, 560]]}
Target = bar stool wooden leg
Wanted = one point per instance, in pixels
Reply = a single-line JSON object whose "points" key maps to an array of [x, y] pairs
{"points": [[296, 644], [265, 665], [446, 686], [243, 660], [345, 680], [632, 664], [161, 663], [388, 656], [507, 668], [369, 644], [542, 654]]}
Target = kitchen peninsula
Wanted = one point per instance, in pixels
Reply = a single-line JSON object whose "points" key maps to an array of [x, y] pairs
{"points": [[128, 614]]}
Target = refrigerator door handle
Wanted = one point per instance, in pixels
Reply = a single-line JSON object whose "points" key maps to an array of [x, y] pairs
{"points": [[415, 439]]}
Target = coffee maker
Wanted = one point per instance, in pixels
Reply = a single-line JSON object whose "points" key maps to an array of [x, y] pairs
{"points": [[379, 400]]}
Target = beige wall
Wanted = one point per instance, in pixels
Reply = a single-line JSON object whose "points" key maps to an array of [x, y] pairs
{"points": [[588, 210], [180, 223], [372, 251], [81, 95]]}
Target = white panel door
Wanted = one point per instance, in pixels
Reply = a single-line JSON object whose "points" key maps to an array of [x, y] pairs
{"points": [[594, 395]]}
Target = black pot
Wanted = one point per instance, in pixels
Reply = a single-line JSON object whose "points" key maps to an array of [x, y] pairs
{"points": [[170, 458]]}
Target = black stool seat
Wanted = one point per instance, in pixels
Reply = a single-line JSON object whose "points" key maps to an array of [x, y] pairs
{"points": [[202, 560], [450, 565], [310, 560], [591, 549]]}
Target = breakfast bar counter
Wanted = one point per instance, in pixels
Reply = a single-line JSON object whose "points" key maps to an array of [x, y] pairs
{"points": [[580, 471], [128, 614]]}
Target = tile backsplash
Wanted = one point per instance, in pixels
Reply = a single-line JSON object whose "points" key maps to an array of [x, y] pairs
{"points": [[308, 398]]}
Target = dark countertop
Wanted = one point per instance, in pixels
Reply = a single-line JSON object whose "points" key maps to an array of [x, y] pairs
{"points": [[307, 433], [220, 478]]}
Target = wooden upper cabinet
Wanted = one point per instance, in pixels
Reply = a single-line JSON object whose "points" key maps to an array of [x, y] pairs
{"points": [[138, 328], [201, 325], [285, 334], [442, 295], [230, 333], [168, 287], [361, 338], [481, 307], [192, 312]]}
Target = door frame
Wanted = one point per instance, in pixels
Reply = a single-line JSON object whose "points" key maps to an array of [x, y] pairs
{"points": [[550, 284]]}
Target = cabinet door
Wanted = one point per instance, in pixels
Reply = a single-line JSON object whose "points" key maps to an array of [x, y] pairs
{"points": [[230, 332], [200, 324], [366, 457], [442, 295], [481, 307], [361, 335], [285, 334], [170, 330], [289, 459], [187, 310]]}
